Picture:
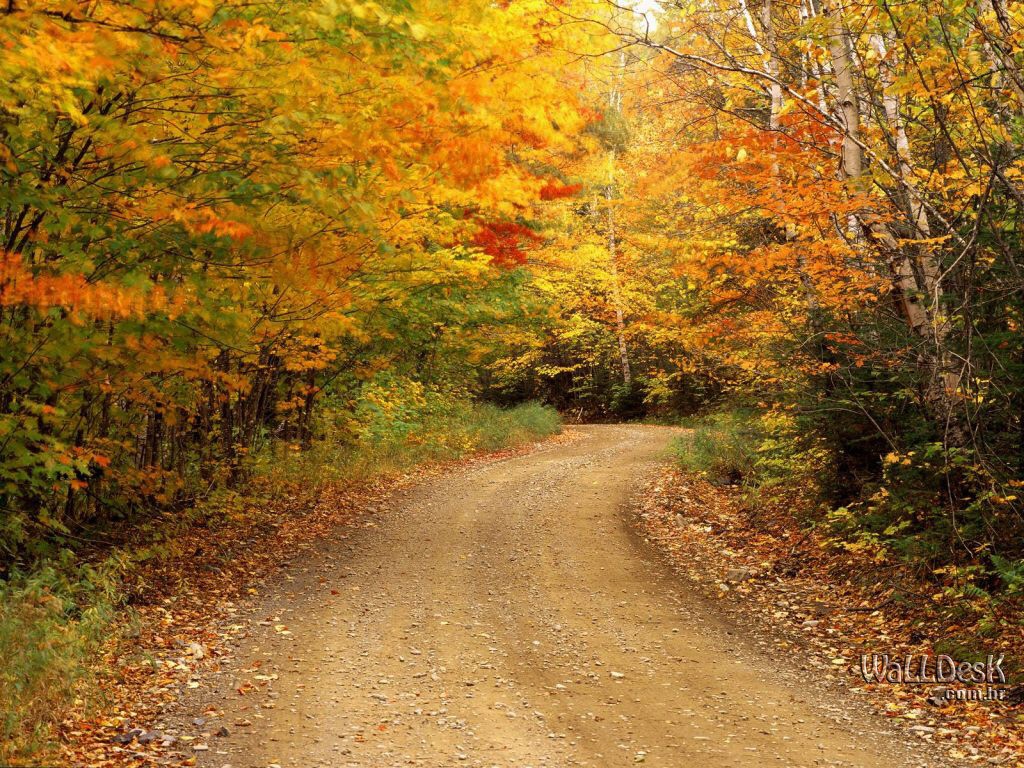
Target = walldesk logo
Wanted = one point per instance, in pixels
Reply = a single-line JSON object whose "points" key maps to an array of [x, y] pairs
{"points": [[937, 670]]}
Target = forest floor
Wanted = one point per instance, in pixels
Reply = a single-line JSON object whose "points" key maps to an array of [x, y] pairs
{"points": [[508, 614]]}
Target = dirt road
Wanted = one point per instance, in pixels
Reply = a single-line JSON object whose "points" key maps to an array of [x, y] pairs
{"points": [[506, 616]]}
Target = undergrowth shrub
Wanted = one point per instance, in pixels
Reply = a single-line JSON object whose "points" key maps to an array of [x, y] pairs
{"points": [[722, 446], [895, 511], [769, 453], [397, 423], [52, 620]]}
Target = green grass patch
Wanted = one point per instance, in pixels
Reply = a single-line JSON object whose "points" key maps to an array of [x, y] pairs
{"points": [[53, 620], [442, 431], [722, 446]]}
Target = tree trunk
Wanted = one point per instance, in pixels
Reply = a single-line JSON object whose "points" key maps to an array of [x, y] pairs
{"points": [[613, 268], [926, 322]]}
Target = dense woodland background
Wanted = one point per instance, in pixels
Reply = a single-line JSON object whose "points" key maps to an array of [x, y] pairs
{"points": [[246, 236]]}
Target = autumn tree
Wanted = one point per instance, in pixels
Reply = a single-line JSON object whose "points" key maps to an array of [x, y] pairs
{"points": [[216, 216], [840, 179]]}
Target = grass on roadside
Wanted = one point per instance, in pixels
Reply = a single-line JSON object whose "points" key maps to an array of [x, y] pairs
{"points": [[52, 620], [722, 446], [442, 434]]}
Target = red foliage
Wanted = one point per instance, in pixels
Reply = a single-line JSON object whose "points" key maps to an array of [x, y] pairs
{"points": [[503, 241], [554, 191]]}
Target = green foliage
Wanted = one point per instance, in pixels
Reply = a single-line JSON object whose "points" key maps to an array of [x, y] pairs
{"points": [[1010, 572], [628, 401], [722, 445], [52, 621], [771, 453], [398, 423], [900, 514]]}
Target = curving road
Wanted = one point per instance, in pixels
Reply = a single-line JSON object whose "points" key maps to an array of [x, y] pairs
{"points": [[506, 616]]}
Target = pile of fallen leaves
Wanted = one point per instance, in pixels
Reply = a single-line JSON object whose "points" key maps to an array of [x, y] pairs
{"points": [[831, 605], [180, 619]]}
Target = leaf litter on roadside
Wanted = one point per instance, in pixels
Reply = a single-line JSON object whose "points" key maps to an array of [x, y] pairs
{"points": [[804, 594]]}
